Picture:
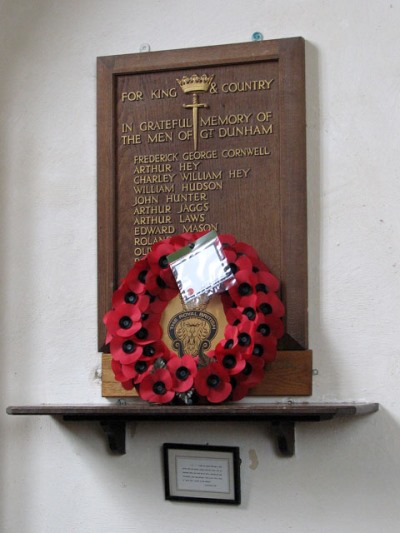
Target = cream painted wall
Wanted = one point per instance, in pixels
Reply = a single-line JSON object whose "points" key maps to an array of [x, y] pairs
{"points": [[59, 478]]}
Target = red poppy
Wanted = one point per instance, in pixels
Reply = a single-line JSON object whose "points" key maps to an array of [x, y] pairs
{"points": [[241, 336], [183, 371], [157, 258], [265, 303], [124, 294], [123, 321], [125, 381], [238, 262], [212, 381], [148, 332], [250, 376], [136, 277], [155, 350], [265, 347], [267, 325], [266, 282], [227, 240], [245, 286], [157, 387], [246, 249], [158, 287], [125, 350], [231, 359]]}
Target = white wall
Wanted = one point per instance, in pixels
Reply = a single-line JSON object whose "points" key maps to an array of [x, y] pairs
{"points": [[56, 477]]}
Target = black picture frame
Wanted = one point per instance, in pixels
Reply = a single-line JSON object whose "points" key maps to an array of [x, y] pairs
{"points": [[200, 473]]}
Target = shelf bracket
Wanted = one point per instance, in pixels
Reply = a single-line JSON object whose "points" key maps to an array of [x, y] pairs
{"points": [[283, 431], [115, 431]]}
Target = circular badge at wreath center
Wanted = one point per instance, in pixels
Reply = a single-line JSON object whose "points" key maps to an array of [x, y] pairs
{"points": [[193, 331]]}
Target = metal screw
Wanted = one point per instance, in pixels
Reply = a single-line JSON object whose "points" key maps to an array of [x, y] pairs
{"points": [[315, 372], [145, 47], [257, 36]]}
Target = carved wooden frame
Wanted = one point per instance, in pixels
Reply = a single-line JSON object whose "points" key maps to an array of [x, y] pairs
{"points": [[290, 57]]}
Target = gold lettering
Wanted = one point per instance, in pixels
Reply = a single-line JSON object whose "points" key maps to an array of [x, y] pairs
{"points": [[145, 200], [133, 96], [239, 173], [189, 197], [149, 221], [238, 131], [200, 227], [127, 128], [163, 93], [147, 169], [245, 152], [148, 241], [150, 209], [160, 137], [217, 120], [246, 86], [153, 189], [131, 139], [155, 178], [201, 176], [189, 166], [191, 208], [155, 158], [169, 124], [192, 217], [207, 186], [195, 156]]}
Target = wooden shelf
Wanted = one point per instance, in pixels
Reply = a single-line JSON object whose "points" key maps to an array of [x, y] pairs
{"points": [[282, 416]]}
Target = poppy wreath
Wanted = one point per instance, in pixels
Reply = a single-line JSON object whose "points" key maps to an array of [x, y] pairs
{"points": [[142, 360]]}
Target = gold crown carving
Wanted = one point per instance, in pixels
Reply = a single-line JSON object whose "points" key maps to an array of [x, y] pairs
{"points": [[195, 83]]}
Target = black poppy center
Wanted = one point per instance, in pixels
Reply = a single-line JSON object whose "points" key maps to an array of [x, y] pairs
{"points": [[144, 316], [140, 367], [234, 268], [213, 380], [159, 388], [265, 309], [130, 298], [152, 298], [142, 276], [163, 262], [142, 334], [125, 322], [258, 350], [161, 283], [182, 373], [250, 313], [128, 347], [264, 329], [261, 287], [244, 339], [228, 345], [244, 289], [229, 361], [149, 350], [247, 369]]}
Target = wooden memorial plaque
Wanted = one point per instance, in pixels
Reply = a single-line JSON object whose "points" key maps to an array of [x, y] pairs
{"points": [[207, 139]]}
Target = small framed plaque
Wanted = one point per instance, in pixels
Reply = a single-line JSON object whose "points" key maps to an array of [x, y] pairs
{"points": [[202, 473]]}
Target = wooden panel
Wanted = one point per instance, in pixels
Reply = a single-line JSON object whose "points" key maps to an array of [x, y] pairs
{"points": [[255, 122], [289, 375]]}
